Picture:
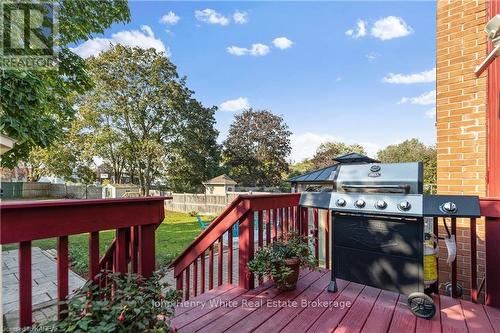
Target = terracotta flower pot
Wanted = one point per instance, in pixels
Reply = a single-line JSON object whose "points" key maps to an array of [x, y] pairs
{"points": [[290, 282]]}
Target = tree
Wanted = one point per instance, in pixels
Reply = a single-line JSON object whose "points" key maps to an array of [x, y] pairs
{"points": [[412, 151], [195, 154], [35, 105], [327, 151], [137, 109], [256, 148]]}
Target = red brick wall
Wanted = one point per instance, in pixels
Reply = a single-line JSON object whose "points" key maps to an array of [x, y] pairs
{"points": [[461, 118]]}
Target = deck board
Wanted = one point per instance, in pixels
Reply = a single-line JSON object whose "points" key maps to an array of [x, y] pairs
{"points": [[354, 308]]}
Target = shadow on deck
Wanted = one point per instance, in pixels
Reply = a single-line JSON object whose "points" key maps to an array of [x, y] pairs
{"points": [[310, 308]]}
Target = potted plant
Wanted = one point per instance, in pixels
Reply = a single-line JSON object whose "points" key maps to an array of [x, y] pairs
{"points": [[283, 259]]}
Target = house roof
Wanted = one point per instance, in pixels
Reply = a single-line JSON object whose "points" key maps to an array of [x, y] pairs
{"points": [[326, 174], [221, 180], [124, 186]]}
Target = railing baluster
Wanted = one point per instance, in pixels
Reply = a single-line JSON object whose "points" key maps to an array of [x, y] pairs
{"points": [[315, 233], [179, 282], [134, 242], [260, 241], [282, 226], [202, 257], [195, 277], [454, 264], [304, 221], [121, 250], [268, 226], [220, 262], [275, 225], [230, 256], [186, 290], [287, 219], [62, 274], [93, 255], [327, 239], [147, 249], [25, 284], [473, 260], [211, 267], [246, 249]]}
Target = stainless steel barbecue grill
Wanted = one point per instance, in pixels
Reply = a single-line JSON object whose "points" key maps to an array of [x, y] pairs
{"points": [[378, 214]]}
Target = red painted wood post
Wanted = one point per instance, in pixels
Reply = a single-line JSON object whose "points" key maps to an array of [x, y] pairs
{"points": [[327, 239], [492, 266], [25, 284], [246, 250], [134, 251], [260, 235], [454, 264], [304, 221], [121, 250], [195, 277], [282, 222], [62, 274], [315, 233], [179, 283], [220, 262], [268, 227], [287, 219], [275, 225], [473, 260], [202, 273], [93, 255], [186, 290], [211, 267], [230, 256], [147, 250]]}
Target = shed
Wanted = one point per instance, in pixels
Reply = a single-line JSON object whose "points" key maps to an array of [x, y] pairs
{"points": [[119, 190], [322, 179], [220, 185]]}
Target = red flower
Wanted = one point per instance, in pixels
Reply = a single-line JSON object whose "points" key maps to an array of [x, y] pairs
{"points": [[121, 317]]}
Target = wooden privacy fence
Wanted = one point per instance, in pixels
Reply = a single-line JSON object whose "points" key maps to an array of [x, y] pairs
{"points": [[33, 190]]}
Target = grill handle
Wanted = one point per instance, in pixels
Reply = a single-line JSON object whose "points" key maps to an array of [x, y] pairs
{"points": [[398, 188]]}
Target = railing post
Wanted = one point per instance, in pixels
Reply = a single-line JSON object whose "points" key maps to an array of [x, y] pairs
{"points": [[246, 249], [492, 267], [62, 274], [93, 255], [25, 284], [304, 221], [147, 250]]}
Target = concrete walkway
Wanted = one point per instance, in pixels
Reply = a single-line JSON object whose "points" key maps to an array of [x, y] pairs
{"points": [[44, 275]]}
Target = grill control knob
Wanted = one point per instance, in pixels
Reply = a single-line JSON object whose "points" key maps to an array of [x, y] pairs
{"points": [[404, 205], [449, 207], [381, 204], [360, 203], [341, 202]]}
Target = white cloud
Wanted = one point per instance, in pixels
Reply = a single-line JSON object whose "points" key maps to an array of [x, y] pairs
{"points": [[257, 49], [240, 17], [304, 145], [390, 27], [359, 32], [170, 18], [427, 98], [339, 78], [431, 113], [282, 43], [422, 77], [234, 105], [372, 56], [144, 39], [210, 16]]}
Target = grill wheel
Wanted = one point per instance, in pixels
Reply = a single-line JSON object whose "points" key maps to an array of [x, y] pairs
{"points": [[421, 305]]}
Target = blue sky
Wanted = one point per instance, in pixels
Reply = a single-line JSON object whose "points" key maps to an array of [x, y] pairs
{"points": [[358, 72]]}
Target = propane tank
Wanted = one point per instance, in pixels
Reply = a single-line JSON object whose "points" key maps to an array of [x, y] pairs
{"points": [[430, 259]]}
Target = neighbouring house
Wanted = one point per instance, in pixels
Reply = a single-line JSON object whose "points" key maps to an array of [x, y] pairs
{"points": [[467, 116], [220, 185], [119, 190], [321, 180]]}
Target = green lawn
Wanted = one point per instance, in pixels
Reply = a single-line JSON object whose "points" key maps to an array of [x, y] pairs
{"points": [[173, 235]]}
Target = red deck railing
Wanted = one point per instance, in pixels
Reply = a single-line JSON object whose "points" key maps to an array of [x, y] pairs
{"points": [[134, 220], [275, 214]]}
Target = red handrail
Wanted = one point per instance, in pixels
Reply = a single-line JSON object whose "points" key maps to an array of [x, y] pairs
{"points": [[25, 221]]}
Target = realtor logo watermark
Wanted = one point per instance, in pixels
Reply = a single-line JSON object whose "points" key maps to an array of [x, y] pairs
{"points": [[27, 35]]}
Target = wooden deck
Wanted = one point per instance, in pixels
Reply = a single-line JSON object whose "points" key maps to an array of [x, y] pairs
{"points": [[310, 308]]}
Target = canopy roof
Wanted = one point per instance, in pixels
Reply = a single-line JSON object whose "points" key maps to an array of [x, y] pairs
{"points": [[326, 174]]}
